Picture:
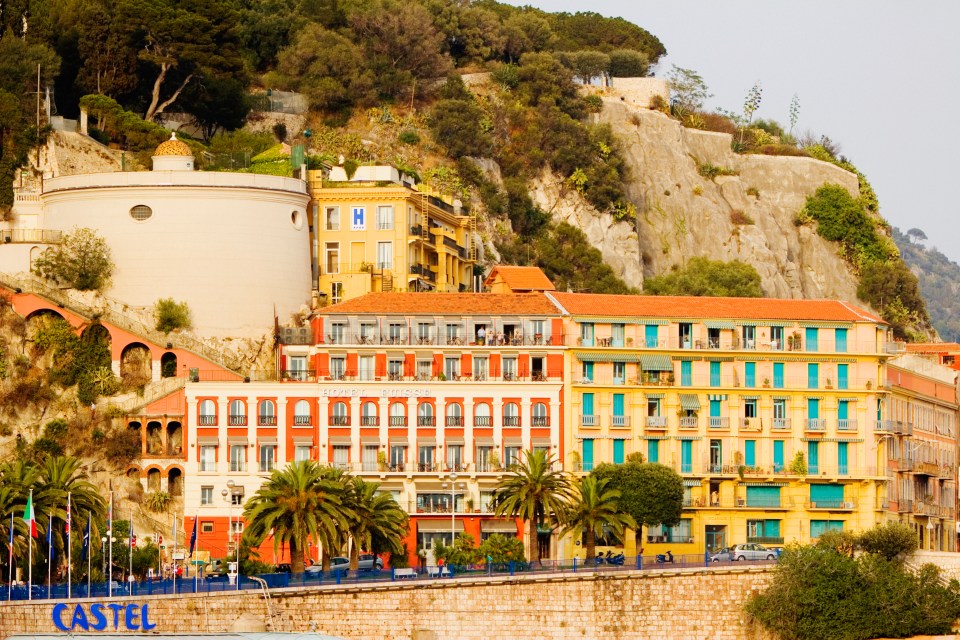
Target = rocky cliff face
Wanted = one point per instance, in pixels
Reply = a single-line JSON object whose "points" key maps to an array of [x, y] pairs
{"points": [[683, 215]]}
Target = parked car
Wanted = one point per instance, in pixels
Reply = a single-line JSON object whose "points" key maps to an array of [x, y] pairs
{"points": [[752, 551], [283, 567], [339, 566], [723, 555]]}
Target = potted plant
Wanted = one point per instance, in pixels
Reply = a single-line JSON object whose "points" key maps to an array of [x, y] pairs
{"points": [[766, 383], [829, 383], [382, 460], [495, 460], [575, 460]]}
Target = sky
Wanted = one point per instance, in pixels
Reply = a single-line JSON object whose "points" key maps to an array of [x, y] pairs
{"points": [[881, 78]]}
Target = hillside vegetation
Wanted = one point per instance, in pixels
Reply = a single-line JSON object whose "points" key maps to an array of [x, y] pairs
{"points": [[383, 82], [939, 281]]}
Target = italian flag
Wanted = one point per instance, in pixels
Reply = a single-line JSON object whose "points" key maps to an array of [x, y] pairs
{"points": [[30, 517]]}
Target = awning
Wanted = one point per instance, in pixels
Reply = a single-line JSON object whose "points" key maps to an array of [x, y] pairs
{"points": [[370, 440], [454, 440], [426, 442], [498, 526], [607, 357], [717, 397], [438, 526], [826, 325], [512, 442], [303, 440], [206, 441], [689, 482], [765, 484], [232, 440], [339, 440], [541, 442], [656, 362], [719, 324], [749, 397], [399, 441], [483, 442], [266, 440], [689, 402]]}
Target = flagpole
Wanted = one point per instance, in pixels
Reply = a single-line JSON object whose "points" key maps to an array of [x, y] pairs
{"points": [[110, 542], [89, 552], [49, 555], [10, 562], [130, 547], [196, 572], [173, 554], [30, 550], [69, 549]]}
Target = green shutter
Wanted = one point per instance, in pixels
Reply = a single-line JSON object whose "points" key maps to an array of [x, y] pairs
{"points": [[618, 451], [653, 451]]}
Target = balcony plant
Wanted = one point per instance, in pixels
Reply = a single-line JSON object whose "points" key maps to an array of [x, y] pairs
{"points": [[766, 383], [382, 463], [798, 465], [495, 460]]}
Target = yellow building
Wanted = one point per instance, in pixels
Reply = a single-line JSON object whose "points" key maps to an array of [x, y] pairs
{"points": [[378, 231], [770, 410]]}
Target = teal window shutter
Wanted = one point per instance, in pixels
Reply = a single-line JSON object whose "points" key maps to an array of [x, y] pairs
{"points": [[650, 336], [771, 529], [750, 374], [778, 455], [618, 404], [618, 452], [763, 497], [714, 408], [588, 455], [714, 374], [843, 410], [841, 338], [842, 452], [686, 456], [826, 496], [653, 451], [686, 373], [812, 335], [750, 453], [588, 404], [813, 375], [588, 371], [843, 376], [778, 375], [813, 409], [813, 457]]}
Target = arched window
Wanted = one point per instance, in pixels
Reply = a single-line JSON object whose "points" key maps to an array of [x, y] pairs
{"points": [[301, 413], [540, 417], [511, 415], [368, 415], [238, 413], [454, 415], [398, 415], [481, 417], [425, 416], [340, 415], [208, 412], [267, 413]]}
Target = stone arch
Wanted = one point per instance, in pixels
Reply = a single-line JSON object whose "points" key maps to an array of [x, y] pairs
{"points": [[134, 472], [35, 252], [153, 479], [136, 365], [155, 434], [43, 312], [174, 438], [175, 481], [168, 365]]}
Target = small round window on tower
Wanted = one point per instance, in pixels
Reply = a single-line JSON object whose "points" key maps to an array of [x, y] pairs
{"points": [[297, 219], [141, 212]]}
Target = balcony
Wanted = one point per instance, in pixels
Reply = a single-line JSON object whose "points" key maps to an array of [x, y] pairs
{"points": [[511, 421], [620, 421], [369, 421], [267, 421], [719, 423], [781, 423], [926, 468], [398, 421], [540, 421], [589, 421], [885, 426], [832, 505], [846, 425], [426, 421], [482, 421], [454, 421], [301, 421], [689, 422], [207, 420], [656, 422], [238, 421], [904, 506], [815, 424], [339, 421], [926, 507], [765, 539]]}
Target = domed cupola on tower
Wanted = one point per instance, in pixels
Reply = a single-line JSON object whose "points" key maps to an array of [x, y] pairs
{"points": [[173, 155]]}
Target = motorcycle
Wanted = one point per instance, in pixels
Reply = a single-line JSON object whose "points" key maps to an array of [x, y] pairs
{"points": [[615, 559], [665, 558]]}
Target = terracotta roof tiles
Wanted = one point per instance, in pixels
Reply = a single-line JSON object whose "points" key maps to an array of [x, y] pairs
{"points": [[447, 304], [522, 278], [718, 308]]}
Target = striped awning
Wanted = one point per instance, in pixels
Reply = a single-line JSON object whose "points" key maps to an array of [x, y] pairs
{"points": [[401, 441], [604, 320], [654, 396], [439, 526], [653, 321], [371, 440], [208, 441], [690, 482], [688, 437], [540, 442], [426, 442], [498, 526], [846, 399], [340, 440], [656, 362], [607, 357], [645, 437], [689, 401], [826, 325], [483, 442], [719, 324], [749, 397], [717, 397], [268, 440], [455, 440], [765, 484], [831, 439], [780, 397]]}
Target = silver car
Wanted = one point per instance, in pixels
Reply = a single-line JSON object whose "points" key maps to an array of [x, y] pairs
{"points": [[752, 551]]}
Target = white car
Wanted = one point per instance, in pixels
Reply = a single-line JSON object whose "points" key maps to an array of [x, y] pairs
{"points": [[752, 551]]}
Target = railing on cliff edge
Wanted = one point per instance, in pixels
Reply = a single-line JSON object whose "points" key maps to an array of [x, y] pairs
{"points": [[32, 284], [152, 392]]}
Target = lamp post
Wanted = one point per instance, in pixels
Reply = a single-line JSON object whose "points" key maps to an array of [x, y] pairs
{"points": [[109, 539], [228, 496], [453, 508]]}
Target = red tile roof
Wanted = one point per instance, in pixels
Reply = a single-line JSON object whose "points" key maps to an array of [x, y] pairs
{"points": [[593, 304], [488, 304], [933, 347], [522, 278]]}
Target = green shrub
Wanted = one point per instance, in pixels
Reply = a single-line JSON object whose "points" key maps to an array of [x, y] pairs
{"points": [[409, 137], [158, 501], [798, 465], [594, 103], [171, 315], [502, 550], [457, 125], [82, 261], [711, 171], [842, 218], [753, 191], [889, 540], [705, 277], [739, 217]]}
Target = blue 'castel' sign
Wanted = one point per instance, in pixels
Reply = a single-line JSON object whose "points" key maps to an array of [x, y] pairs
{"points": [[99, 617]]}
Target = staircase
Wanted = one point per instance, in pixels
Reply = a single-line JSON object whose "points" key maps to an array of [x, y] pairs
{"points": [[28, 283], [386, 284], [151, 393], [472, 240]]}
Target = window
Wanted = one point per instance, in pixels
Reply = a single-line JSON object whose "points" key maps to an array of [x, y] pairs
{"points": [[454, 415], [384, 217], [208, 458], [423, 332], [341, 456], [540, 417], [366, 367], [336, 292], [484, 454], [455, 457], [749, 408], [750, 453], [778, 375], [481, 417], [587, 454], [339, 417], [384, 255], [841, 340], [749, 333], [511, 415], [395, 369], [617, 338], [425, 457], [511, 455], [619, 372], [481, 368], [819, 527], [679, 534], [425, 415], [843, 376], [509, 369], [686, 373], [424, 369], [331, 218], [653, 451], [368, 457], [398, 457], [651, 336], [451, 368], [749, 374], [338, 368], [238, 457], [208, 412], [764, 531], [268, 457], [714, 374], [780, 414], [776, 338], [141, 213], [586, 334], [812, 338], [716, 456], [301, 413], [206, 527], [586, 404], [368, 415], [686, 456], [332, 257], [778, 456], [588, 372], [206, 495], [618, 452], [268, 414], [813, 375], [813, 458], [358, 219], [301, 452]]}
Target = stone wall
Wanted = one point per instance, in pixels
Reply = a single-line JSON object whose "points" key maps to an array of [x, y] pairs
{"points": [[691, 604]]}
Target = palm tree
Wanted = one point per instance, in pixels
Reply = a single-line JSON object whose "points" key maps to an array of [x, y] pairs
{"points": [[535, 491], [594, 509], [378, 523], [59, 476], [298, 503]]}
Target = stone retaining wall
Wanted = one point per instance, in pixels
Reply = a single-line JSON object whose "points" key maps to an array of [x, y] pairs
{"points": [[655, 605]]}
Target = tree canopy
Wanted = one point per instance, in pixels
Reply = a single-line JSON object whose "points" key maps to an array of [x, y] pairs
{"points": [[705, 277], [650, 493]]}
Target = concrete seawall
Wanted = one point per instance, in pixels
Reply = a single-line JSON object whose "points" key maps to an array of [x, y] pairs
{"points": [[691, 604]]}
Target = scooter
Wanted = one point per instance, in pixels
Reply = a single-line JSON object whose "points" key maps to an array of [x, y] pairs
{"points": [[665, 558], [615, 559]]}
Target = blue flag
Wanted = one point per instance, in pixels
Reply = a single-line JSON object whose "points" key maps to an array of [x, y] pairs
{"points": [[193, 536], [86, 540]]}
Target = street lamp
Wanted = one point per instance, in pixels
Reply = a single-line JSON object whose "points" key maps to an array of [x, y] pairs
{"points": [[109, 538], [453, 508], [228, 496]]}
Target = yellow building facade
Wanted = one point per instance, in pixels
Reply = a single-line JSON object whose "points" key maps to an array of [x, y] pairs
{"points": [[380, 232], [771, 410]]}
